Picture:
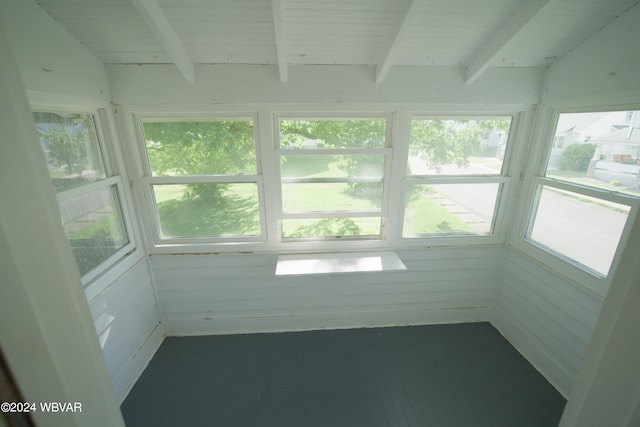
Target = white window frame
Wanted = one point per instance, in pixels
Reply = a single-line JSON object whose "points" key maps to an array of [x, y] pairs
{"points": [[503, 179], [386, 151], [120, 260], [148, 180], [267, 118], [547, 120]]}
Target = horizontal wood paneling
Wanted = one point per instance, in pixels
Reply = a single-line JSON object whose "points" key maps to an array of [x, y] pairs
{"points": [[202, 294], [128, 325], [550, 319]]}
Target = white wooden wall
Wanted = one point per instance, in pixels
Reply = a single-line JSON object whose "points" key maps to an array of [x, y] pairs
{"points": [[211, 294], [127, 321], [548, 318]]}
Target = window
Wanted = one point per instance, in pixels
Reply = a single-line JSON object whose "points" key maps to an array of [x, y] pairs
{"points": [[589, 189], [204, 179], [455, 175], [88, 193], [316, 180], [332, 177]]}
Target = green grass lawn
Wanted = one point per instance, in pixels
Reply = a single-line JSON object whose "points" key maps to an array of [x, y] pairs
{"points": [[234, 213], [424, 216]]}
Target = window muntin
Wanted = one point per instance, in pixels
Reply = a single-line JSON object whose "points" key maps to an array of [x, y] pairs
{"points": [[454, 208], [584, 229], [588, 189], [204, 178], [88, 196], [71, 146], [458, 146], [332, 173]]}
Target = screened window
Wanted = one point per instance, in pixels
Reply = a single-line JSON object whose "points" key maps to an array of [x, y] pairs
{"points": [[70, 143], [589, 188], [88, 195], [332, 176], [454, 175], [203, 178]]}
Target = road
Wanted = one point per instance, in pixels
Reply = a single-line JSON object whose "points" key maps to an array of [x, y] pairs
{"points": [[586, 232]]}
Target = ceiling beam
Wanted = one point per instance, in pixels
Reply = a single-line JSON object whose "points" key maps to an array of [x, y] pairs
{"points": [[407, 16], [281, 41], [155, 19], [510, 29]]}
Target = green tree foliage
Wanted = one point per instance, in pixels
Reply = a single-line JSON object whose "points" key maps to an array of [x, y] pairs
{"points": [[333, 133], [201, 148], [67, 141], [67, 148], [576, 157], [441, 142]]}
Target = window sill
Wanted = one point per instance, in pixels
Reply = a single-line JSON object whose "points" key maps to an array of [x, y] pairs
{"points": [[328, 263]]}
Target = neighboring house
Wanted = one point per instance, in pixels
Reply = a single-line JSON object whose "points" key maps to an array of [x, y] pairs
{"points": [[495, 139], [617, 156], [583, 128]]}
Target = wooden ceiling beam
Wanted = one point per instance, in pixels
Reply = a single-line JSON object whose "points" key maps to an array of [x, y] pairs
{"points": [[157, 22], [510, 29], [281, 41], [408, 15]]}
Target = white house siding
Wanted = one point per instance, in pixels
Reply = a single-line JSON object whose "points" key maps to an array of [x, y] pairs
{"points": [[212, 294], [548, 318], [128, 325]]}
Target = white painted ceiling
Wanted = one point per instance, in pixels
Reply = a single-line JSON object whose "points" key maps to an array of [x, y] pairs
{"points": [[470, 34]]}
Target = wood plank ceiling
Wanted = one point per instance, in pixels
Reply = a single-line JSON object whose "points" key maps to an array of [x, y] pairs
{"points": [[470, 34]]}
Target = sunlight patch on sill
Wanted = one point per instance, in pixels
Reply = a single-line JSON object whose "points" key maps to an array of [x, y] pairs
{"points": [[338, 263]]}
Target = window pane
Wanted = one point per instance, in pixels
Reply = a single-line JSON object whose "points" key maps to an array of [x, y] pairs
{"points": [[331, 227], [208, 210], [449, 209], [332, 133], [335, 196], [600, 149], [224, 147], [71, 146], [94, 226], [458, 146], [582, 228], [328, 166]]}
